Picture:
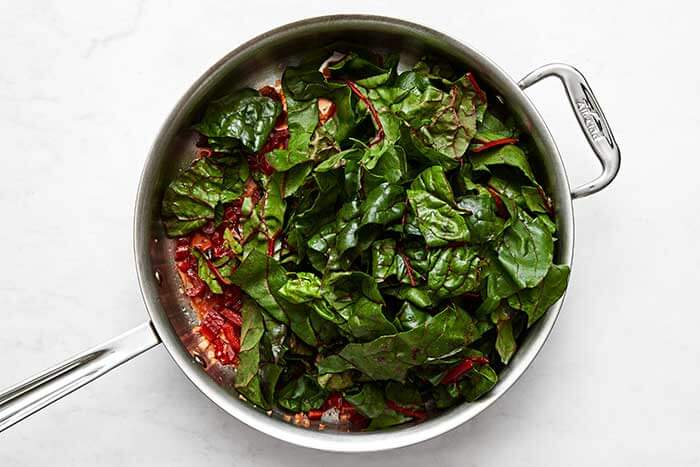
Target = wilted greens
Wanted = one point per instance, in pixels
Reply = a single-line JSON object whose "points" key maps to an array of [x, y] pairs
{"points": [[376, 241]]}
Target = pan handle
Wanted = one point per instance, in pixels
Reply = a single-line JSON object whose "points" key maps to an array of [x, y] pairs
{"points": [[590, 118], [33, 394]]}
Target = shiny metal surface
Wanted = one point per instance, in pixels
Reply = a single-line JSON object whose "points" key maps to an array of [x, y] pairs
{"points": [[591, 119], [259, 62], [255, 63], [33, 394]]}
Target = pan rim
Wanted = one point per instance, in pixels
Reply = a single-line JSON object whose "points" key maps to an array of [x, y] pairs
{"points": [[333, 441]]}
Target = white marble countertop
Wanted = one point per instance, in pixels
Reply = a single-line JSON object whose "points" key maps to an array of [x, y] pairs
{"points": [[84, 87]]}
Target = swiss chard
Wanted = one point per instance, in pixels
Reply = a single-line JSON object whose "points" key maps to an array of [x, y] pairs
{"points": [[302, 117], [508, 155], [443, 123], [304, 82], [482, 217], [535, 301], [248, 377], [526, 251], [261, 277], [244, 115], [191, 199], [391, 356], [383, 245], [439, 222], [302, 394]]}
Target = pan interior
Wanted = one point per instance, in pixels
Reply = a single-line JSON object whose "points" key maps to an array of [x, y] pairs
{"points": [[260, 62]]}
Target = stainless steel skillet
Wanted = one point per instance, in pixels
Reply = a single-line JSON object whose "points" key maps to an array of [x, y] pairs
{"points": [[258, 62]]}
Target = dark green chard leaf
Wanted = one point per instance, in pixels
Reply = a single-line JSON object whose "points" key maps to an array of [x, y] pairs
{"points": [[304, 82], [466, 182], [369, 400], [247, 374], [391, 95], [365, 320], [384, 205], [535, 199], [301, 287], [420, 105], [509, 192], [261, 277], [445, 396], [443, 123], [244, 115], [326, 331], [391, 356], [362, 68], [348, 226], [434, 181], [357, 225], [508, 155], [440, 273], [391, 127], [302, 120], [387, 126], [404, 395], [354, 176], [323, 144], [350, 300], [498, 284], [415, 295], [534, 302], [436, 216], [388, 419], [269, 375], [482, 218], [293, 179], [301, 395], [271, 208], [387, 76], [337, 160], [387, 261], [505, 342], [206, 274], [315, 206], [453, 272], [321, 247], [526, 251], [276, 340], [347, 116], [436, 69], [336, 381], [309, 141], [410, 317], [549, 223], [236, 173], [494, 128], [190, 200], [371, 403], [391, 167], [224, 144], [477, 382], [406, 81], [439, 222]]}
